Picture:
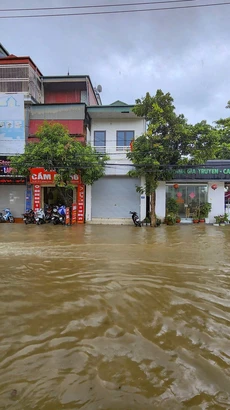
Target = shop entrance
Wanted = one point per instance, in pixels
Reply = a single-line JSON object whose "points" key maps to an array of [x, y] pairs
{"points": [[189, 198], [57, 196]]}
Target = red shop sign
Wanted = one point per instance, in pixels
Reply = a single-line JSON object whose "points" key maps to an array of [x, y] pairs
{"points": [[42, 177], [37, 197], [74, 213], [12, 181], [80, 203], [67, 216]]}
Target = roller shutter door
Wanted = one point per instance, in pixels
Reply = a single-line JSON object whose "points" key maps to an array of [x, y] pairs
{"points": [[13, 197], [114, 197]]}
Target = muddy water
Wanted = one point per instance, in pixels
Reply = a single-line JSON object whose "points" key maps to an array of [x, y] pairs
{"points": [[99, 317]]}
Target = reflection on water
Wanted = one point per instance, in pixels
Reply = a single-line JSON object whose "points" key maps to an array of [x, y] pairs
{"points": [[116, 317]]}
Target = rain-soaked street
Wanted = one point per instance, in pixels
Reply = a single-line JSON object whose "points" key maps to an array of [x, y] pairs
{"points": [[114, 317]]}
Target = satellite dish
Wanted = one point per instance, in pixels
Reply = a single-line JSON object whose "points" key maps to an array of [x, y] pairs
{"points": [[99, 88]]}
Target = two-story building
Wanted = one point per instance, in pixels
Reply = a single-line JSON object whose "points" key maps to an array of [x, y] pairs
{"points": [[110, 199], [65, 99]]}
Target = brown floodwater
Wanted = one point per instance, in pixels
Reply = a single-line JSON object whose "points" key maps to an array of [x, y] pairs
{"points": [[114, 317]]}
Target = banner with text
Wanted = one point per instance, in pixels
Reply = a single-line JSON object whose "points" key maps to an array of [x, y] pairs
{"points": [[42, 177], [12, 124], [74, 213], [80, 203], [37, 197], [219, 172], [67, 216]]}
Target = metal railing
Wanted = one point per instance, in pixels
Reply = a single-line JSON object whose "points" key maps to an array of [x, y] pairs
{"points": [[112, 149]]}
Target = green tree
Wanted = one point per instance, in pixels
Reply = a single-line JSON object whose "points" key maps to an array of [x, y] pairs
{"points": [[163, 144], [203, 143], [223, 126], [56, 150]]}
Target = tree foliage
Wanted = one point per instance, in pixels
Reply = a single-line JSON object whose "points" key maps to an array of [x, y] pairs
{"points": [[163, 144], [203, 143], [56, 150], [223, 126]]}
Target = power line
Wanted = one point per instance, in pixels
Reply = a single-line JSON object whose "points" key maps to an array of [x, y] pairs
{"points": [[95, 6], [160, 167], [95, 13]]}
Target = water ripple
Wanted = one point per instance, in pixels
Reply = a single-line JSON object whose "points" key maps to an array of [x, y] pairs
{"points": [[114, 318]]}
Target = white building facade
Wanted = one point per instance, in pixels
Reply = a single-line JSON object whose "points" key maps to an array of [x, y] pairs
{"points": [[110, 199]]}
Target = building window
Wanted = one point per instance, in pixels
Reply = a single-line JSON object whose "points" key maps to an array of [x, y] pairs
{"points": [[124, 139], [100, 141], [189, 198]]}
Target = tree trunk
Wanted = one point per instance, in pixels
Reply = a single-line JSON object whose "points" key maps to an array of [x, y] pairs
{"points": [[153, 209], [66, 197]]}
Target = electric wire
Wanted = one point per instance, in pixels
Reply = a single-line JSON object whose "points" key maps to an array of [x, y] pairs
{"points": [[95, 13], [91, 6]]}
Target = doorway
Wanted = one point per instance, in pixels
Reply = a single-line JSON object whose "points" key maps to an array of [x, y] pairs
{"points": [[57, 195]]}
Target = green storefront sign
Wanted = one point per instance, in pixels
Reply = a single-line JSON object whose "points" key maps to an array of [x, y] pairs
{"points": [[205, 173]]}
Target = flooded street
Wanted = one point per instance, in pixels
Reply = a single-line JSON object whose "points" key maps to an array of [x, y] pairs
{"points": [[114, 317]]}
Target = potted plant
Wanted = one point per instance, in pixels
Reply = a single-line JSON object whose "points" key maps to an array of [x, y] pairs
{"points": [[195, 220], [158, 221], [202, 218], [204, 211], [170, 219], [172, 206], [221, 220], [178, 219], [146, 221], [196, 217]]}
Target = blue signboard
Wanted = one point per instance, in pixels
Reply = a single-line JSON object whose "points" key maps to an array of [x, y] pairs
{"points": [[28, 197], [12, 124]]}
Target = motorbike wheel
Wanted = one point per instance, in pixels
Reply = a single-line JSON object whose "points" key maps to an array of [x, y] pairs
{"points": [[11, 219], [54, 222], [38, 223]]}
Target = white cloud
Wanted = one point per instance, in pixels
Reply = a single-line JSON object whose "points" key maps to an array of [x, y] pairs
{"points": [[185, 52]]}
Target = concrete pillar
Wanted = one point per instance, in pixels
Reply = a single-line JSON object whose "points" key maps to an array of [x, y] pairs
{"points": [[216, 198], [161, 200], [88, 203]]}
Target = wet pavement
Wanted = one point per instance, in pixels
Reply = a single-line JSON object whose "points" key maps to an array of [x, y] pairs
{"points": [[114, 317]]}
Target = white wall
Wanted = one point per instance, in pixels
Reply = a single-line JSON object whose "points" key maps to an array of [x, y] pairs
{"points": [[118, 164], [161, 200], [88, 203], [143, 202], [111, 126], [216, 198]]}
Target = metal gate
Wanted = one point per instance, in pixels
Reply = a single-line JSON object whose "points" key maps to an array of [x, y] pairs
{"points": [[114, 197]]}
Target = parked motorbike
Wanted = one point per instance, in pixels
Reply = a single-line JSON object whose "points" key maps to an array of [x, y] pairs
{"points": [[40, 217], [135, 218], [58, 215], [48, 214], [7, 216], [28, 217]]}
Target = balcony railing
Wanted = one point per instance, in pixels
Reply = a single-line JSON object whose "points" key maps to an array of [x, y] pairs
{"points": [[112, 149]]}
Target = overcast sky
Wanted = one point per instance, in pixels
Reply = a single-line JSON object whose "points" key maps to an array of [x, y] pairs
{"points": [[185, 52]]}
